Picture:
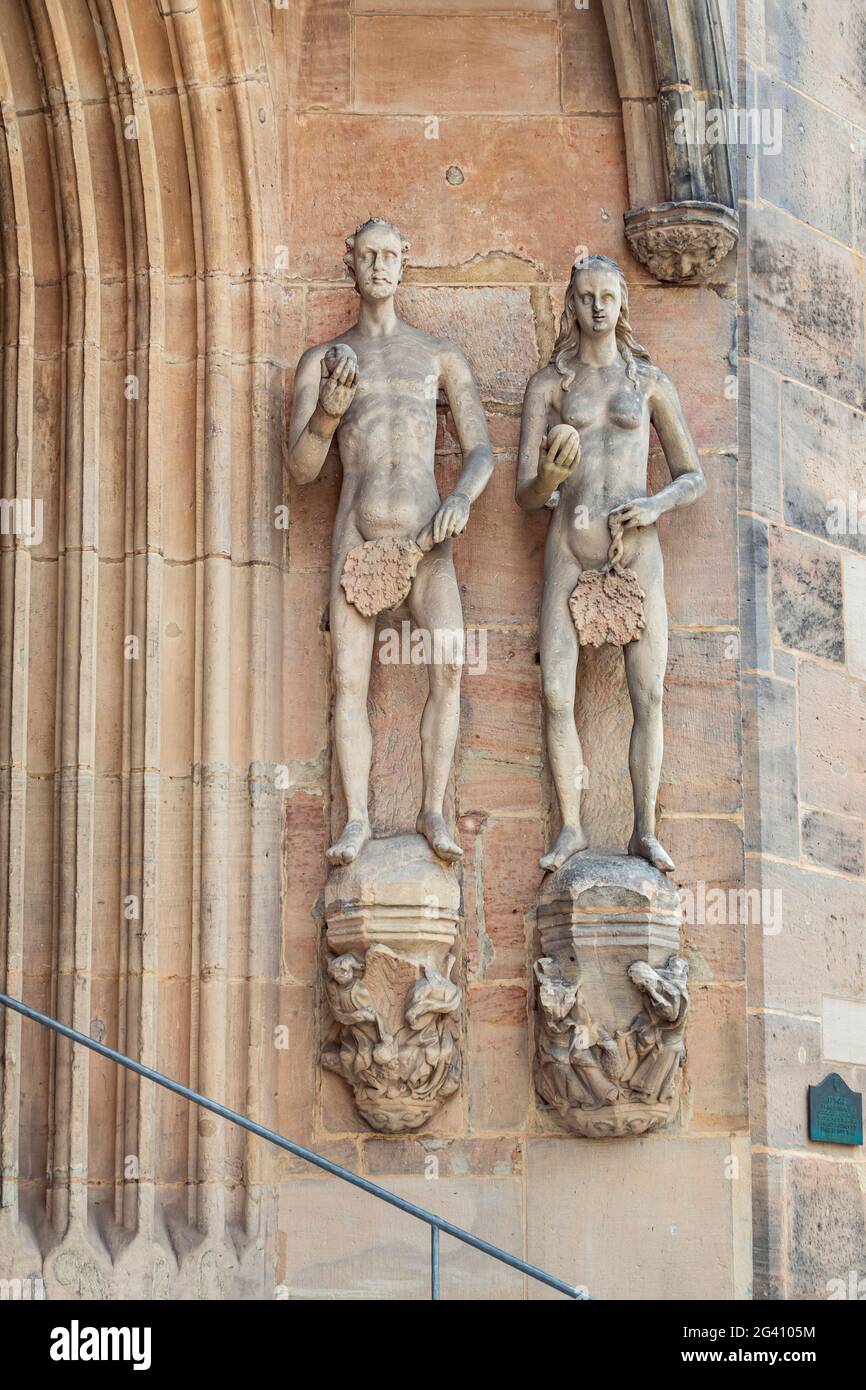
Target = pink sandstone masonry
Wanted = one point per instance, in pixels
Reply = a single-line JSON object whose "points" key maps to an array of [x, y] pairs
{"points": [[176, 181]]}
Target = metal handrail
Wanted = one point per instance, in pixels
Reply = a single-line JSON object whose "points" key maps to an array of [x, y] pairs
{"points": [[437, 1224]]}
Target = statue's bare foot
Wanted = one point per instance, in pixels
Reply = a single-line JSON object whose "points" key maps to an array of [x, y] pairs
{"points": [[648, 847], [350, 843], [569, 841], [432, 826]]}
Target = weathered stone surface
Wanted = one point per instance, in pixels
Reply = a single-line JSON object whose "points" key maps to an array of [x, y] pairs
{"points": [[810, 935], [717, 1054], [768, 1228], [509, 874], [806, 307], [480, 320], [693, 343], [834, 842], [832, 740], [770, 768], [756, 652], [589, 1209], [412, 64], [826, 1230], [444, 1158], [490, 211], [701, 539], [784, 1059], [708, 854], [498, 1058], [809, 174], [345, 1250], [306, 832], [588, 76], [701, 768], [859, 181], [759, 474], [325, 59], [500, 765], [446, 6], [824, 60], [824, 452], [854, 585], [807, 595]]}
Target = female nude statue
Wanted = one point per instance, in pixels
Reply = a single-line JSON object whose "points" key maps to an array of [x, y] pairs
{"points": [[585, 438]]}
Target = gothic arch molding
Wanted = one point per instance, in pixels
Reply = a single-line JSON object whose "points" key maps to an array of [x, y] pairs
{"points": [[670, 57]]}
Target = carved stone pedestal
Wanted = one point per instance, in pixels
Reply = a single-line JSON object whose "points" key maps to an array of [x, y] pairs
{"points": [[612, 995], [393, 1004], [682, 242]]}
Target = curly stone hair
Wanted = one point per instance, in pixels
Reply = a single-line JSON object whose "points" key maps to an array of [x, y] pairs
{"points": [[569, 329], [348, 259]]}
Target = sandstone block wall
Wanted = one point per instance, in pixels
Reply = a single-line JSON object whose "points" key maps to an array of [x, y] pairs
{"points": [[494, 139], [803, 552], [176, 179]]}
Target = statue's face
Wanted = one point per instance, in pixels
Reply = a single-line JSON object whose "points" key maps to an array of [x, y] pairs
{"points": [[378, 257], [598, 300]]}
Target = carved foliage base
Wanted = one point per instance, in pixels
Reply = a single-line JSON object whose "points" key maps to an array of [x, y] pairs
{"points": [[393, 1006], [681, 243], [612, 996]]}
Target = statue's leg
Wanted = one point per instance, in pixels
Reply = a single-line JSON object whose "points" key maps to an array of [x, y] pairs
{"points": [[352, 643], [434, 603], [559, 653], [645, 662]]}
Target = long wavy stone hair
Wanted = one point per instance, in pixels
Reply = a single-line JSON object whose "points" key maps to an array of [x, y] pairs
{"points": [[569, 329], [349, 260]]}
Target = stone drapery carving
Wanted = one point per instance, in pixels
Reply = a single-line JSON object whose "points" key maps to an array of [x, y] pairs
{"points": [[626, 1081], [392, 1000], [612, 997]]}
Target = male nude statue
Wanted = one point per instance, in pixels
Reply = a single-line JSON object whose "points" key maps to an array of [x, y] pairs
{"points": [[375, 388]]}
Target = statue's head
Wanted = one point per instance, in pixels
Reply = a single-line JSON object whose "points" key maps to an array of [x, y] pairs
{"points": [[343, 969], [596, 303], [376, 258], [598, 291]]}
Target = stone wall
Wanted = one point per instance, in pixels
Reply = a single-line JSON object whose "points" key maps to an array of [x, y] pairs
{"points": [[141, 716], [176, 178], [803, 549], [493, 137]]}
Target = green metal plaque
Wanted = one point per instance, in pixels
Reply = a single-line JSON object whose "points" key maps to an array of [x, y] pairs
{"points": [[835, 1112]]}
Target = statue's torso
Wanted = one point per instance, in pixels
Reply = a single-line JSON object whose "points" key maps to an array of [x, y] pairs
{"points": [[613, 420], [387, 437]]}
